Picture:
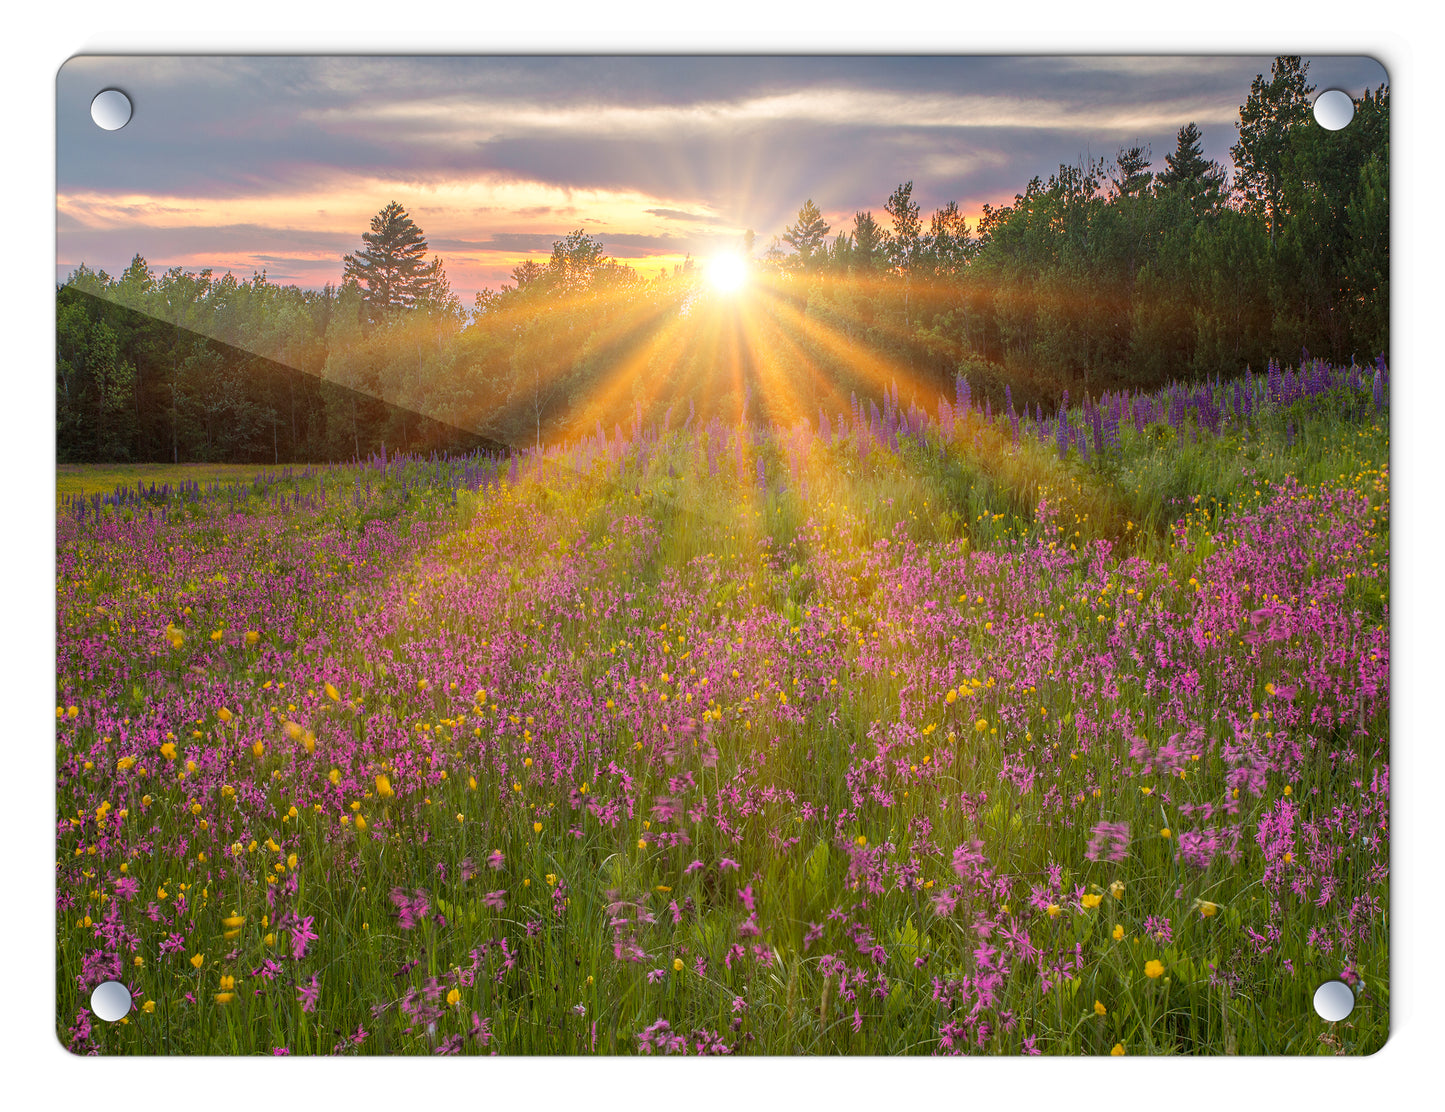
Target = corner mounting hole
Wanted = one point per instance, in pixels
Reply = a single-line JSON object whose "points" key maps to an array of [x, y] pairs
{"points": [[110, 109], [1334, 1000], [1334, 109], [110, 1001]]}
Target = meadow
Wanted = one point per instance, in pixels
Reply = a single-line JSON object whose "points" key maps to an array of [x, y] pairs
{"points": [[891, 732]]}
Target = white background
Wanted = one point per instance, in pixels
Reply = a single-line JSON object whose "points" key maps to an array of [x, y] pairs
{"points": [[40, 37]]}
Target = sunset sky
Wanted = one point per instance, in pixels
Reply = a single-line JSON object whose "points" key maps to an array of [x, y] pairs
{"points": [[279, 163]]}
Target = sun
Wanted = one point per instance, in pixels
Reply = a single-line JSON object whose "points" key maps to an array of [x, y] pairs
{"points": [[727, 273]]}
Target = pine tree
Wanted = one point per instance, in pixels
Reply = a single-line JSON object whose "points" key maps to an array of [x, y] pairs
{"points": [[392, 265], [1198, 179], [806, 236], [1131, 172], [867, 241]]}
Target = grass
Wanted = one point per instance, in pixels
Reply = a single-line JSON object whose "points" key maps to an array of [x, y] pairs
{"points": [[839, 746], [86, 479]]}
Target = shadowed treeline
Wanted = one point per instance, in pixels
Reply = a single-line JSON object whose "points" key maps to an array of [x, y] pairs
{"points": [[132, 387]]}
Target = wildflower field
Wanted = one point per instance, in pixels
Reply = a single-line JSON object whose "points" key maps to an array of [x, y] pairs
{"points": [[889, 732]]}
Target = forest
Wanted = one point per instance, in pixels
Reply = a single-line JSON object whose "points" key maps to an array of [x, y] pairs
{"points": [[1111, 274]]}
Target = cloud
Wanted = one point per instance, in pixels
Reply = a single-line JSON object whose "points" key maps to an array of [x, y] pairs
{"points": [[288, 157], [690, 217]]}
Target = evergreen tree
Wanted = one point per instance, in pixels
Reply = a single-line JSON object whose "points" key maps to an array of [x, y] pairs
{"points": [[392, 266], [1199, 180], [1131, 172], [806, 236], [867, 241]]}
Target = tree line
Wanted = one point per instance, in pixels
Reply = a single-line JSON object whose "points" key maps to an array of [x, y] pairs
{"points": [[1125, 274], [1107, 274]]}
